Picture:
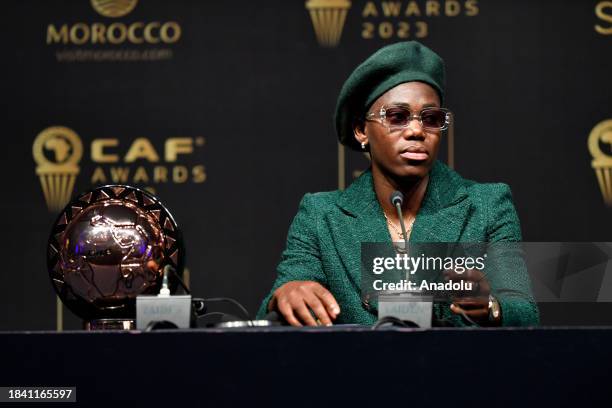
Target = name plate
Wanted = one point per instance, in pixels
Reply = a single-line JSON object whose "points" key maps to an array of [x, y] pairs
{"points": [[407, 306], [174, 309]]}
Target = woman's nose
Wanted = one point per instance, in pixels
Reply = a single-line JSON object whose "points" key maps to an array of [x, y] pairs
{"points": [[414, 129]]}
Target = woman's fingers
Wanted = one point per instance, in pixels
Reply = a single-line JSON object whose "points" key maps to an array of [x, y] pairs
{"points": [[319, 310], [304, 313], [285, 309], [476, 308], [478, 314], [298, 300], [471, 302], [333, 309], [479, 279]]}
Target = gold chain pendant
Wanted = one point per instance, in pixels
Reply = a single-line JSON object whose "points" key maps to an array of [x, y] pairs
{"points": [[398, 231]]}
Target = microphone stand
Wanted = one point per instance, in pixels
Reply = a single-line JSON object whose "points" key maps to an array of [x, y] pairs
{"points": [[398, 207], [397, 199]]}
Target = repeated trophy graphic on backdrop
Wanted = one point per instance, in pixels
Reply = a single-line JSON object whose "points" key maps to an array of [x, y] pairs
{"points": [[114, 8], [328, 17], [57, 151], [600, 147]]}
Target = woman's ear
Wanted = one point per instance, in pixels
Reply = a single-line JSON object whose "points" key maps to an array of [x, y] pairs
{"points": [[359, 132]]}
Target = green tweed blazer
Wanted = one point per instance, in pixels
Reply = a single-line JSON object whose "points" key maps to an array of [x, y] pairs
{"points": [[323, 242]]}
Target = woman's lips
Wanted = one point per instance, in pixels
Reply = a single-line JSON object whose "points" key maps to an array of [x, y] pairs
{"points": [[414, 153], [414, 156]]}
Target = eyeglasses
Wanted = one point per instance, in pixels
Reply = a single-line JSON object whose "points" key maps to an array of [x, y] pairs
{"points": [[396, 117]]}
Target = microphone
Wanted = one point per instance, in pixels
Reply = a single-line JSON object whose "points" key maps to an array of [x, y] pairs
{"points": [[168, 269], [397, 199], [165, 291]]}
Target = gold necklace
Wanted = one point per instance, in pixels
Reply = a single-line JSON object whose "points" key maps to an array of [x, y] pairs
{"points": [[397, 230]]}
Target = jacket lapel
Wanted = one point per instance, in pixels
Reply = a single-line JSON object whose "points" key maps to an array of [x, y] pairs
{"points": [[362, 220], [444, 211]]}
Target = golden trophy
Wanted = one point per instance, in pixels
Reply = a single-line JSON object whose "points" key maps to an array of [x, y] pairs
{"points": [[328, 18], [57, 151]]}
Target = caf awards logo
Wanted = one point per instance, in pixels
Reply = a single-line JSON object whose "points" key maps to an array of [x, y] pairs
{"points": [[328, 17], [141, 161], [114, 8], [57, 151], [600, 147]]}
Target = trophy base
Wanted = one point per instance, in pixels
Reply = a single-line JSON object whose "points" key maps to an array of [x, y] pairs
{"points": [[242, 324], [110, 324]]}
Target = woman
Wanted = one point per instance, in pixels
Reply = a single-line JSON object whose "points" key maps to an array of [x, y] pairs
{"points": [[390, 106]]}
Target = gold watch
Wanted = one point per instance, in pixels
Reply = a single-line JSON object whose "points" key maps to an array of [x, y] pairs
{"points": [[494, 310]]}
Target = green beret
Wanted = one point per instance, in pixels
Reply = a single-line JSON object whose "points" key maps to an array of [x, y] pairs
{"points": [[385, 69]]}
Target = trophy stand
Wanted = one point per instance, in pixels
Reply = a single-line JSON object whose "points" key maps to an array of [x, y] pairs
{"points": [[109, 324]]}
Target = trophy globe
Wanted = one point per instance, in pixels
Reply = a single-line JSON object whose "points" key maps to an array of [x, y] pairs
{"points": [[108, 246]]}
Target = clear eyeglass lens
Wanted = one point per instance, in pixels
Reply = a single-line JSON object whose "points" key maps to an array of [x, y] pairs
{"points": [[397, 117]]}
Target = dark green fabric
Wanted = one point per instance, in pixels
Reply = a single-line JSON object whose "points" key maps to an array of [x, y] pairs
{"points": [[385, 69], [323, 242]]}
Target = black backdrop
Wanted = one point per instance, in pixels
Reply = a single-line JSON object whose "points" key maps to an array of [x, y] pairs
{"points": [[251, 91]]}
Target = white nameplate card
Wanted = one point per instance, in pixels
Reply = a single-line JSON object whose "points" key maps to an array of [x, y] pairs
{"points": [[174, 309], [408, 307]]}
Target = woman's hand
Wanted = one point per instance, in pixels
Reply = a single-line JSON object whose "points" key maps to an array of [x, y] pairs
{"points": [[474, 304], [294, 300]]}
